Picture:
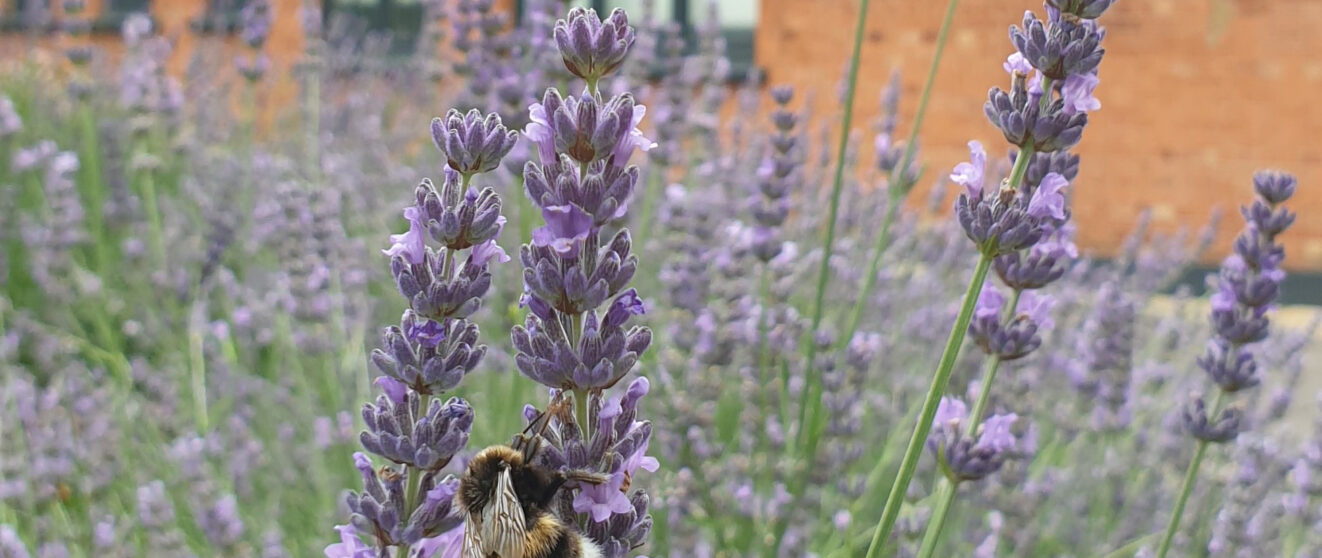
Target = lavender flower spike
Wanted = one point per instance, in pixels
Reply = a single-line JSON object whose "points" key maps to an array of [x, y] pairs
{"points": [[408, 506], [1247, 287]]}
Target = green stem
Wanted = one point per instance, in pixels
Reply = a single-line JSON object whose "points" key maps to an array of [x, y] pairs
{"points": [[897, 187], [1190, 478], [581, 411], [411, 493], [650, 192], [198, 371], [92, 186], [1132, 547], [874, 264], [828, 239], [813, 383], [837, 184], [148, 189], [909, 463], [764, 373], [946, 493]]}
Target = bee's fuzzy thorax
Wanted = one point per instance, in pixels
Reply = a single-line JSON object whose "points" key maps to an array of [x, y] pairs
{"points": [[477, 482]]}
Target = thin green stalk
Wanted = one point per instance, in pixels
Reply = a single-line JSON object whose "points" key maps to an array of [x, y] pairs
{"points": [[813, 384], [1132, 547], [650, 193], [411, 493], [1190, 478], [763, 370], [147, 186], [897, 188], [581, 411], [837, 184], [945, 497], [197, 369], [946, 493], [92, 187], [909, 463]]}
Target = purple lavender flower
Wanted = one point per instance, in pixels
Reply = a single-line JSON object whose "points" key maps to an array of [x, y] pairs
{"points": [[600, 501], [586, 129], [1060, 47], [592, 47], [970, 174], [1042, 264], [1220, 429], [1047, 200], [567, 274], [615, 517], [1027, 118], [566, 228], [10, 122], [10, 545], [412, 244], [963, 456], [472, 143], [431, 350], [350, 546], [1248, 286], [1077, 93], [255, 23], [1020, 334]]}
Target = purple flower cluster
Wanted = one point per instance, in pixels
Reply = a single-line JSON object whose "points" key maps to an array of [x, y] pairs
{"points": [[582, 185], [965, 455], [433, 348], [1246, 288], [777, 176], [617, 448], [254, 28], [1014, 338]]}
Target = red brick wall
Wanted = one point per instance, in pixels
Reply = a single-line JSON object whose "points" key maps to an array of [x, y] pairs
{"points": [[1196, 95]]}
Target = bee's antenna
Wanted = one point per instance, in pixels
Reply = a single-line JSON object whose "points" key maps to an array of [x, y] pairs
{"points": [[532, 444]]}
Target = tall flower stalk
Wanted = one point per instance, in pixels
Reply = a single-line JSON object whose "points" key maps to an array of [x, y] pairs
{"points": [[1247, 287], [1053, 74], [582, 183], [407, 504]]}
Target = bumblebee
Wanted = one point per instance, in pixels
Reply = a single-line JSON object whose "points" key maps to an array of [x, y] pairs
{"points": [[507, 503]]}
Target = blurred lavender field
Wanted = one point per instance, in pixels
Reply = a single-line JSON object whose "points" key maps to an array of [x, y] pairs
{"points": [[234, 327]]}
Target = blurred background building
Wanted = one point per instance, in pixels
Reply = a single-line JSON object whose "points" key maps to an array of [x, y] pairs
{"points": [[1196, 94]]}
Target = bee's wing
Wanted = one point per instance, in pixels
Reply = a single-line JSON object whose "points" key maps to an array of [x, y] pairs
{"points": [[473, 537], [498, 530]]}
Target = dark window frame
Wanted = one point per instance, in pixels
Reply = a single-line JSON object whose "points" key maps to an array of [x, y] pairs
{"points": [[220, 17], [385, 17], [111, 19], [14, 19]]}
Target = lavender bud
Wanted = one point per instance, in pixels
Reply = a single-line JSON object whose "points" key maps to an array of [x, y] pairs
{"points": [[1274, 186], [965, 457], [1222, 430], [1231, 367], [472, 143], [1059, 47], [1025, 123], [591, 47]]}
